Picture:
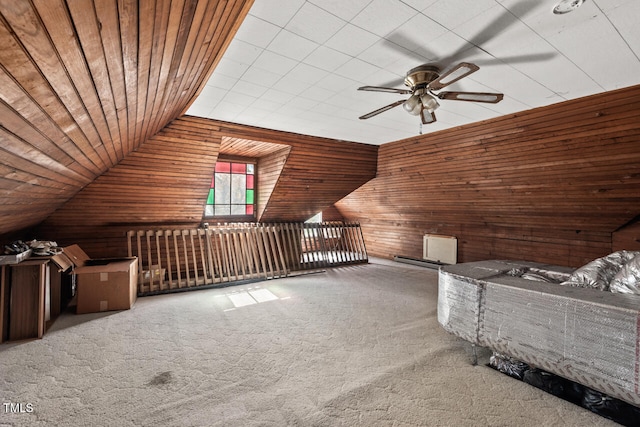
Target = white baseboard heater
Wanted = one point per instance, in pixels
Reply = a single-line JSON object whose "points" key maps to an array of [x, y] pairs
{"points": [[439, 248]]}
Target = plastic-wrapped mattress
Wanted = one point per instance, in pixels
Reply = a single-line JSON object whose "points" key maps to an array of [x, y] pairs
{"points": [[584, 335], [605, 274]]}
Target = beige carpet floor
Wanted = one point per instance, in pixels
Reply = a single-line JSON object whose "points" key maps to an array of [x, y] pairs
{"points": [[352, 346]]}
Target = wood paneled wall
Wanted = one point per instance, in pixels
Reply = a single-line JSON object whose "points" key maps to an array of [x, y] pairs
{"points": [[83, 83], [627, 237], [269, 171], [549, 185], [165, 183], [332, 214], [317, 173]]}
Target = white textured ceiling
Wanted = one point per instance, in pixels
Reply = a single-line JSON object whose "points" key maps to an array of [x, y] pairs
{"points": [[295, 65]]}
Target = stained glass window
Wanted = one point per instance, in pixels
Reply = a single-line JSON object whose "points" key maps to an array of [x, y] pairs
{"points": [[232, 190]]}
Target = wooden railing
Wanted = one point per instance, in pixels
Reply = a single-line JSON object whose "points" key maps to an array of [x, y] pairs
{"points": [[172, 260]]}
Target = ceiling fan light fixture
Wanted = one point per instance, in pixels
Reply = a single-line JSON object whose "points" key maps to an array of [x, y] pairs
{"points": [[430, 102], [424, 83], [412, 105]]}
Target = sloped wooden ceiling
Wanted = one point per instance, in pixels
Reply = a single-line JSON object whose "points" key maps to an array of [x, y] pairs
{"points": [[162, 184], [83, 83]]}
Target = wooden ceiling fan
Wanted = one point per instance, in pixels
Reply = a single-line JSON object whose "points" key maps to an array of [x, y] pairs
{"points": [[423, 82]]}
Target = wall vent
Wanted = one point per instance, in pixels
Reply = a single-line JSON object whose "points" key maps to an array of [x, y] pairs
{"points": [[438, 248]]}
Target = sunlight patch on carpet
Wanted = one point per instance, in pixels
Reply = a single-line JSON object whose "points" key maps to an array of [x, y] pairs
{"points": [[250, 296]]}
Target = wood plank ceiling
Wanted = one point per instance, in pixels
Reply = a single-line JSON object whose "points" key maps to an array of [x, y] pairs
{"points": [[83, 83]]}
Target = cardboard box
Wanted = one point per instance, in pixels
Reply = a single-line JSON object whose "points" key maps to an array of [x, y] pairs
{"points": [[101, 284], [108, 286]]}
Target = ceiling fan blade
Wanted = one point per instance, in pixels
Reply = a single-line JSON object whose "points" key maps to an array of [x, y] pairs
{"points": [[427, 117], [461, 70], [381, 110], [507, 18], [491, 98], [405, 45], [516, 59], [385, 89]]}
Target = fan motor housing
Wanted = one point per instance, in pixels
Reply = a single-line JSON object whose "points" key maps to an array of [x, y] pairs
{"points": [[421, 76]]}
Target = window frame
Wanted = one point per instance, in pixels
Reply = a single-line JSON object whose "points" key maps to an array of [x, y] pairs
{"points": [[235, 218]]}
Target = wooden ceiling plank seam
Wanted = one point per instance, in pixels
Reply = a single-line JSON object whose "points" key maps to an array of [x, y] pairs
{"points": [[20, 163], [195, 32], [231, 24], [146, 178], [146, 17], [15, 124], [172, 151], [44, 200], [166, 138], [206, 48], [193, 124], [31, 180], [199, 55], [57, 20], [25, 90], [36, 46], [190, 151], [177, 13], [241, 9], [85, 23], [107, 16], [186, 150], [20, 204], [160, 21], [176, 131], [18, 146], [179, 56], [8, 188], [191, 141], [9, 115], [128, 17]]}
